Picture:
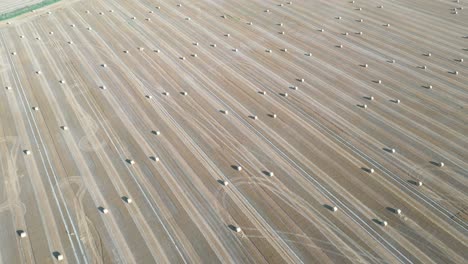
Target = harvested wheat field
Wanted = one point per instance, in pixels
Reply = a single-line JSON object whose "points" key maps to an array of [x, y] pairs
{"points": [[248, 131]]}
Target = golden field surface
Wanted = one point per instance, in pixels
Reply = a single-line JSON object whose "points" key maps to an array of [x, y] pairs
{"points": [[248, 131]]}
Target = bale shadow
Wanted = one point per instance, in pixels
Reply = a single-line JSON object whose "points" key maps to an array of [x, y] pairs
{"points": [[434, 163], [389, 150], [329, 207], [56, 254], [19, 232], [220, 182], [413, 182]]}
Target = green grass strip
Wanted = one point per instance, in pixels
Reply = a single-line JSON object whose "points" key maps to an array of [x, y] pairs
{"points": [[25, 9]]}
